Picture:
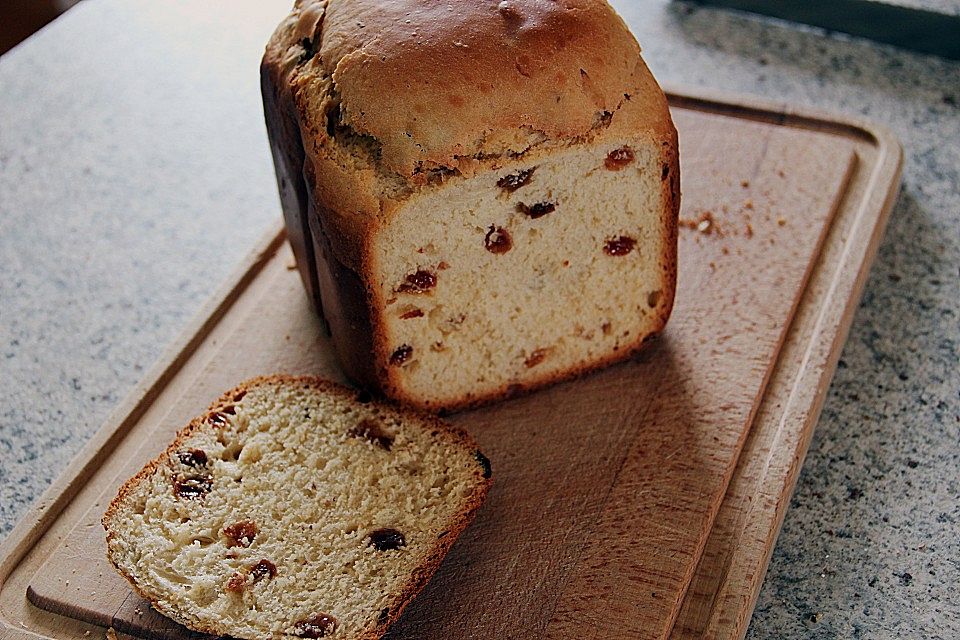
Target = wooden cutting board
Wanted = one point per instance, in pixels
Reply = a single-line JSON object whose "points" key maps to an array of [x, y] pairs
{"points": [[639, 502]]}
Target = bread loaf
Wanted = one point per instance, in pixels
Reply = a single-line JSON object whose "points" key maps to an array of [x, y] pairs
{"points": [[293, 509], [482, 196]]}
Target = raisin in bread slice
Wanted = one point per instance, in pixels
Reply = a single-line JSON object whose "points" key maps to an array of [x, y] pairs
{"points": [[293, 508], [481, 201]]}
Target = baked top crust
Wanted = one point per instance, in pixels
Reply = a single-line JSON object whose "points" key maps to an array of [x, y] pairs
{"points": [[447, 83]]}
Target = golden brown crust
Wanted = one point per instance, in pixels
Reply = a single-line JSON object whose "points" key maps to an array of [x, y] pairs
{"points": [[454, 435], [433, 81]]}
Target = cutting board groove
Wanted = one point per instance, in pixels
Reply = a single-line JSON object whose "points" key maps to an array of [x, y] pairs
{"points": [[642, 501]]}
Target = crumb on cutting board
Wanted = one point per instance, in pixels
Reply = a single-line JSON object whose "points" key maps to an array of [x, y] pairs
{"points": [[705, 223]]}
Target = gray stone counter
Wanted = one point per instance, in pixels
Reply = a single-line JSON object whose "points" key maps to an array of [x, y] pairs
{"points": [[135, 175]]}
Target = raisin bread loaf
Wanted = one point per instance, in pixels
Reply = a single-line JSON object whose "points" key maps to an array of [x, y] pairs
{"points": [[294, 509], [482, 196]]}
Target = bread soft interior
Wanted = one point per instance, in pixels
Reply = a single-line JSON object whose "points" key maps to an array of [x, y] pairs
{"points": [[555, 300]]}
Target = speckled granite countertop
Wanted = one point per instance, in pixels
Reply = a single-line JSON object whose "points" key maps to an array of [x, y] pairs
{"points": [[133, 179]]}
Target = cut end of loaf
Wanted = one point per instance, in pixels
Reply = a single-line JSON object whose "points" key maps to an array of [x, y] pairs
{"points": [[515, 278], [294, 509]]}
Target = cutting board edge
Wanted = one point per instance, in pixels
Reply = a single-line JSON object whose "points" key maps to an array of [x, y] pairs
{"points": [[887, 169], [890, 164]]}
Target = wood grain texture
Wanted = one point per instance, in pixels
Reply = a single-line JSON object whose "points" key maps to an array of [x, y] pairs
{"points": [[606, 488], [660, 435], [731, 323], [723, 593]]}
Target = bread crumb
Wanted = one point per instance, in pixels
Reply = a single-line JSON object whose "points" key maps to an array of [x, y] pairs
{"points": [[704, 224], [748, 204], [781, 221], [111, 634], [749, 230], [86, 633], [291, 266], [725, 251], [780, 173], [744, 183]]}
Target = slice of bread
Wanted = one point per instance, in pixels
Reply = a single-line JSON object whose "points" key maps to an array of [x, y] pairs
{"points": [[295, 508]]}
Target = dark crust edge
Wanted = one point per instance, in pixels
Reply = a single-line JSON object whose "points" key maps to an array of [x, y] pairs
{"points": [[421, 575], [286, 148]]}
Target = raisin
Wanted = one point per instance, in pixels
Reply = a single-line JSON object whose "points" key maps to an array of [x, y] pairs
{"points": [[193, 487], [536, 210], [230, 409], [514, 181], [401, 355], [497, 240], [535, 358], [619, 246], [384, 616], [413, 313], [239, 395], [420, 281], [217, 419], [263, 569], [316, 626], [618, 158], [665, 172], [484, 463], [653, 298], [308, 50], [510, 13], [240, 534], [371, 430], [513, 389], [387, 539], [193, 457], [333, 119], [237, 583]]}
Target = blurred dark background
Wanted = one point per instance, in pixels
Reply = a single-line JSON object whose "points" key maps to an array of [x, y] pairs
{"points": [[20, 18]]}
